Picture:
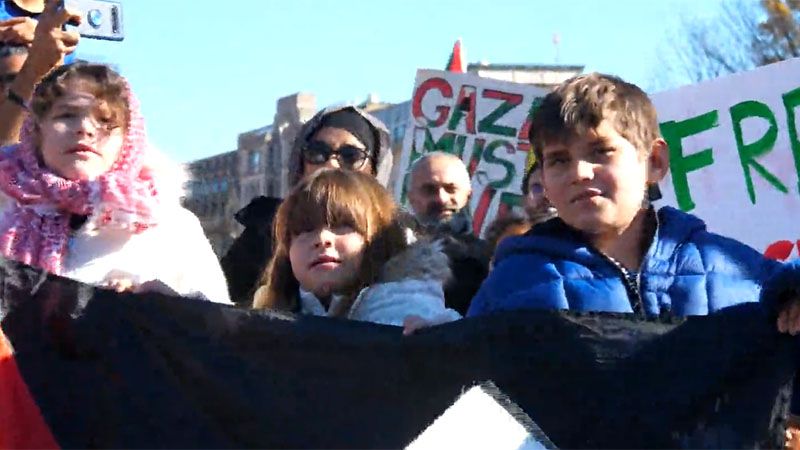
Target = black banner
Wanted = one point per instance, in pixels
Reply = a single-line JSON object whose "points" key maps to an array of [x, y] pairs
{"points": [[149, 371]]}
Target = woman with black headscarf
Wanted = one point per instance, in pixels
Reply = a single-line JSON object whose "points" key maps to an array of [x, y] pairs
{"points": [[340, 137]]}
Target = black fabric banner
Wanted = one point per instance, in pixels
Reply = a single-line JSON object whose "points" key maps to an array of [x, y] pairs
{"points": [[149, 371]]}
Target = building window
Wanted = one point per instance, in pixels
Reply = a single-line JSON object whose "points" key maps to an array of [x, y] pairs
{"points": [[255, 161]]}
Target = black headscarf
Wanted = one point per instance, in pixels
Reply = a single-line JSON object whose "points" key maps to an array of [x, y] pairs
{"points": [[353, 122]]}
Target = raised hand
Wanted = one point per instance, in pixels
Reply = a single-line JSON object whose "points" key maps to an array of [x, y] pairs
{"points": [[50, 42]]}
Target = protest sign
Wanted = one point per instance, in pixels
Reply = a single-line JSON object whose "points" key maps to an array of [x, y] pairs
{"points": [[735, 155], [483, 121]]}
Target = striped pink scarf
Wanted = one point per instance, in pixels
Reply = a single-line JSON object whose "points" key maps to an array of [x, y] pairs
{"points": [[36, 229]]}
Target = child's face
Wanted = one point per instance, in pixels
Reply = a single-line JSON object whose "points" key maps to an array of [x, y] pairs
{"points": [[326, 260], [596, 181], [535, 202], [78, 139]]}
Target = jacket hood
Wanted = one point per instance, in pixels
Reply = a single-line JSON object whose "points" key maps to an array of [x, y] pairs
{"points": [[382, 161], [422, 260], [557, 239]]}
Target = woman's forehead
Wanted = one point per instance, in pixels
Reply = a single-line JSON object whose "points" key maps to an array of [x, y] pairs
{"points": [[335, 136]]}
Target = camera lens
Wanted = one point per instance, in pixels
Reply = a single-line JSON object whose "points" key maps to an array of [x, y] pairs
{"points": [[95, 17]]}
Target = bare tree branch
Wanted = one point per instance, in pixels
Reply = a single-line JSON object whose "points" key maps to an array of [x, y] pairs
{"points": [[742, 36]]}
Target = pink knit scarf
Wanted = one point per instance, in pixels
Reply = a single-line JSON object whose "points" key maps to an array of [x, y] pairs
{"points": [[36, 229]]}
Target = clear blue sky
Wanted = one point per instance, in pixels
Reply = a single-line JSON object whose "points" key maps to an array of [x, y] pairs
{"points": [[205, 75]]}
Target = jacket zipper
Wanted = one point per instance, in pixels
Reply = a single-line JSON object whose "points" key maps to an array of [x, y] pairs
{"points": [[633, 286]]}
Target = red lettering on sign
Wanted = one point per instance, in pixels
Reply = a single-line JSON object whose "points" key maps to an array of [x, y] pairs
{"points": [[439, 84], [482, 210]]}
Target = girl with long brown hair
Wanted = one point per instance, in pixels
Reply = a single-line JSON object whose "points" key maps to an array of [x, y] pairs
{"points": [[341, 252]]}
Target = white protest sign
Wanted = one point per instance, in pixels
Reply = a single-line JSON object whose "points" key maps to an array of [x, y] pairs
{"points": [[483, 121], [735, 155]]}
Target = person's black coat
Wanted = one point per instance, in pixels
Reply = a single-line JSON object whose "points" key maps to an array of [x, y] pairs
{"points": [[249, 254], [469, 261]]}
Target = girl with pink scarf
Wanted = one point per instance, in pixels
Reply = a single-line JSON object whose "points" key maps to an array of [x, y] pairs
{"points": [[89, 199]]}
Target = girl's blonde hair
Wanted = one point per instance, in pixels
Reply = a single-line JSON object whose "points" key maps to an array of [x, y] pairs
{"points": [[332, 198]]}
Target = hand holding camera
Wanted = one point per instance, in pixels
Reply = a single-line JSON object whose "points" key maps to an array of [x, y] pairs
{"points": [[50, 42]]}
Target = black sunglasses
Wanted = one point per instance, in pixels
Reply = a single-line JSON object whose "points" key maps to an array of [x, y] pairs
{"points": [[318, 152]]}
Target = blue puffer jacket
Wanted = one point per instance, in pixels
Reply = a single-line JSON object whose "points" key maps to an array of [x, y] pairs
{"points": [[686, 271]]}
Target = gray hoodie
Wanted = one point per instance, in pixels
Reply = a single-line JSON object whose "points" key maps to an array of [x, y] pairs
{"points": [[382, 161], [409, 284]]}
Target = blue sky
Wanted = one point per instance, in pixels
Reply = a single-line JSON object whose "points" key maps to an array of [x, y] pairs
{"points": [[205, 74]]}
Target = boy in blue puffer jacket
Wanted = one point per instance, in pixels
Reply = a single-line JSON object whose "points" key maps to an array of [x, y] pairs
{"points": [[602, 153], [608, 250]]}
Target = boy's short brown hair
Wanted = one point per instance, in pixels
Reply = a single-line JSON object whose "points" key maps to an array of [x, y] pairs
{"points": [[582, 102]]}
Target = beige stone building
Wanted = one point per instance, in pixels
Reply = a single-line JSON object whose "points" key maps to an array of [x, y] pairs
{"points": [[223, 184], [214, 197]]}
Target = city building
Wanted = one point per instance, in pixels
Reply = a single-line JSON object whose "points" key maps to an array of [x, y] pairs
{"points": [[223, 184], [290, 115], [213, 197], [253, 154]]}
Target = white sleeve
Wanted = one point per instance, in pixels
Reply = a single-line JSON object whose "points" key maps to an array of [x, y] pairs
{"points": [[200, 274], [390, 303]]}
